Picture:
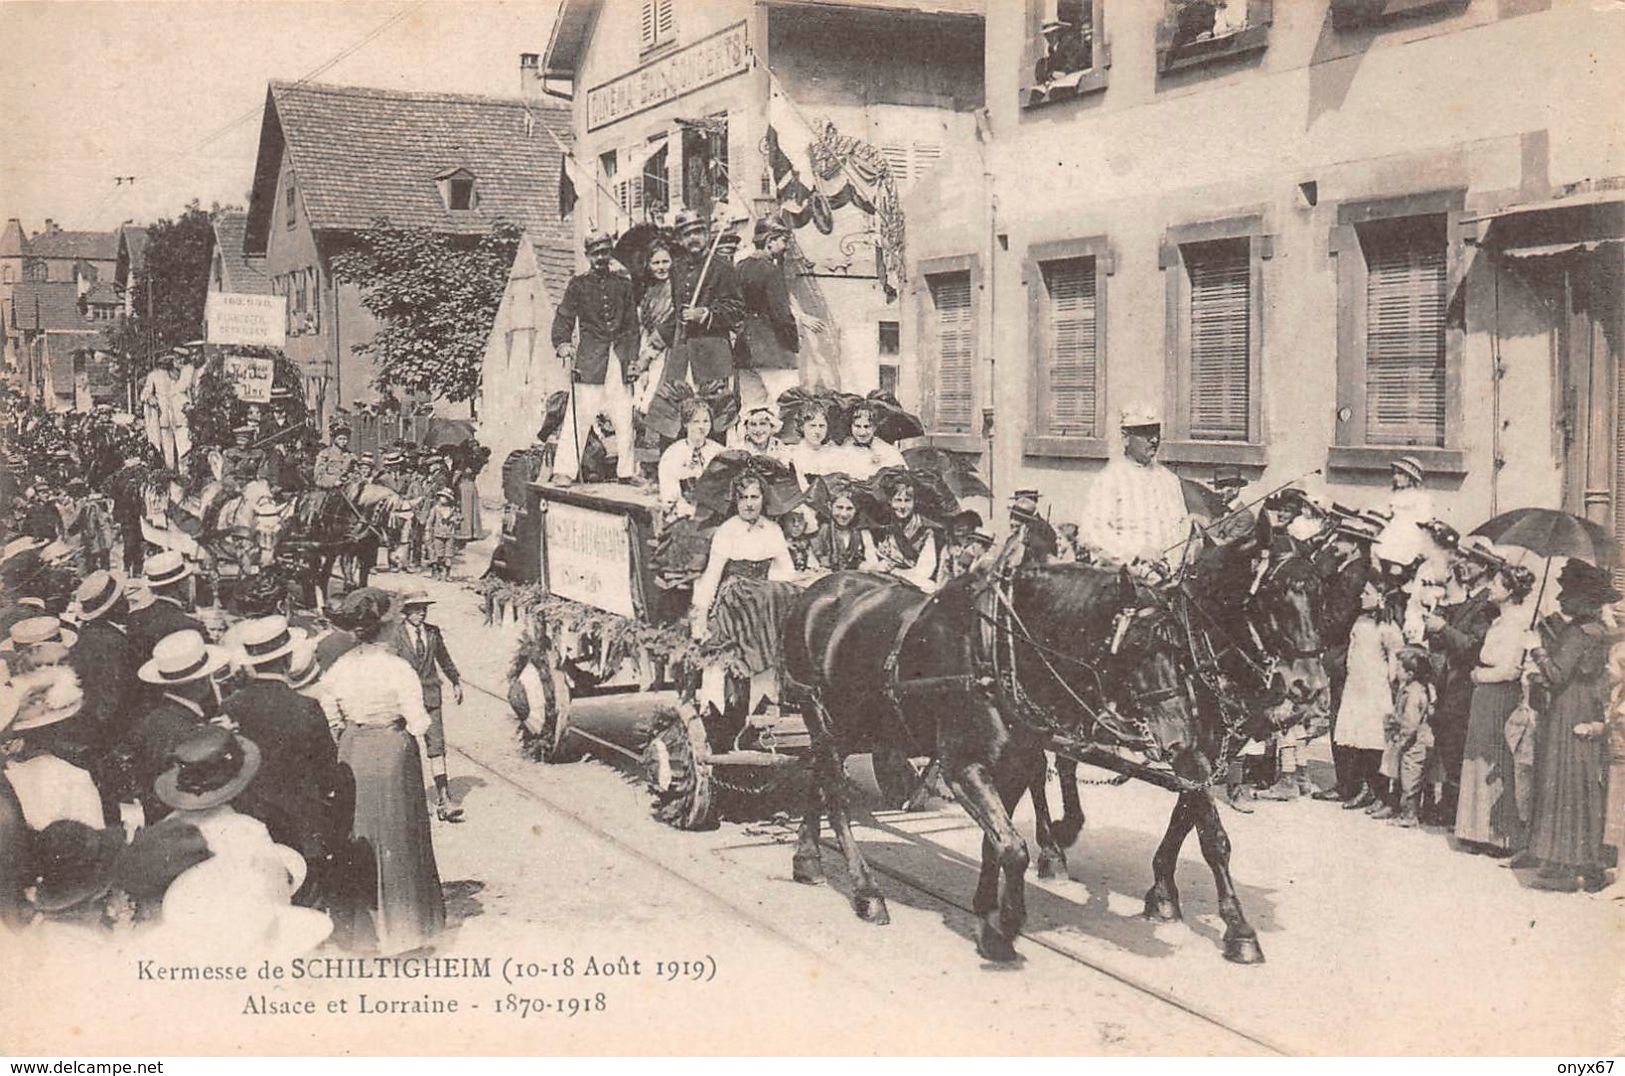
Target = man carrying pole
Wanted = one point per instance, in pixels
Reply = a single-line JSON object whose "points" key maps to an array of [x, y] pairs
{"points": [[710, 308]]}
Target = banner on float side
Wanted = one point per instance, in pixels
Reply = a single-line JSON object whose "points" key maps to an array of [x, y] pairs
{"points": [[247, 320]]}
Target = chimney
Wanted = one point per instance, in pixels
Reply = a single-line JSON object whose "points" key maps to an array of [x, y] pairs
{"points": [[530, 76], [50, 225]]}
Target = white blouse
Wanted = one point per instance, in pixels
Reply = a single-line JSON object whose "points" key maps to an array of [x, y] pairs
{"points": [[863, 462], [679, 463], [50, 789], [810, 460], [1501, 658], [372, 686], [738, 540]]}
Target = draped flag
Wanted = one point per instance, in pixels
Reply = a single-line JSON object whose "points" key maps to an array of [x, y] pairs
{"points": [[817, 170]]}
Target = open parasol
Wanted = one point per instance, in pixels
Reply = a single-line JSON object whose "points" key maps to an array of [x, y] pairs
{"points": [[932, 497], [957, 472], [1549, 533], [713, 490]]}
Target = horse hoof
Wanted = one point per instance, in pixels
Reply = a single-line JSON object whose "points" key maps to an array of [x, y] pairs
{"points": [[808, 871], [993, 946], [872, 910], [1052, 865], [1162, 909], [1243, 951]]}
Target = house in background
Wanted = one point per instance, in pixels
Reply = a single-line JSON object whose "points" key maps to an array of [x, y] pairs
{"points": [[1313, 234], [80, 259], [62, 357], [673, 102], [131, 262], [230, 270], [334, 160]]}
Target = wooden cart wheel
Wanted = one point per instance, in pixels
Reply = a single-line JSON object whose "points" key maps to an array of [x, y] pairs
{"points": [[546, 700], [895, 777], [675, 762]]}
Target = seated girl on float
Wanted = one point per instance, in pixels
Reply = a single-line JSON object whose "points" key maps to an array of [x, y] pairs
{"points": [[908, 546], [838, 544], [757, 432], [683, 461], [866, 454], [817, 453]]}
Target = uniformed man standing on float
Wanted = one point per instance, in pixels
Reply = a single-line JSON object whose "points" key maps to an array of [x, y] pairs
{"points": [[705, 290], [595, 331], [768, 351], [1135, 508]]}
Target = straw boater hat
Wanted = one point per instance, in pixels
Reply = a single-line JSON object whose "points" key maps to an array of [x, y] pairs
{"points": [[303, 668], [266, 639], [166, 569], [416, 597], [182, 657], [45, 696], [1409, 465], [73, 863], [19, 546], [445, 495], [209, 767], [99, 592], [35, 631], [393, 457]]}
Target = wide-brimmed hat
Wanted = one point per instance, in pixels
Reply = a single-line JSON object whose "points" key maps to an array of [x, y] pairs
{"points": [[303, 668], [1409, 465], [416, 597], [19, 546], [1480, 549], [392, 457], [166, 569], [266, 638], [99, 592], [44, 696], [182, 657], [1586, 581], [35, 630], [73, 863], [210, 766]]}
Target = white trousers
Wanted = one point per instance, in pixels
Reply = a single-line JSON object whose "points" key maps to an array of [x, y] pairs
{"points": [[613, 400]]}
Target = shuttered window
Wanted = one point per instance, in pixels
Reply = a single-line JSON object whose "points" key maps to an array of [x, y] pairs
{"points": [[1405, 333], [1220, 362], [1071, 371], [954, 351], [659, 22]]}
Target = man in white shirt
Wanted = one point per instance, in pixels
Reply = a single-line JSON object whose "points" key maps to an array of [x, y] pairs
{"points": [[1135, 508]]}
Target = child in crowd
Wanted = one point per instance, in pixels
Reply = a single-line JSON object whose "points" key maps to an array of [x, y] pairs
{"points": [[1410, 736], [1368, 697], [440, 535], [1067, 544]]}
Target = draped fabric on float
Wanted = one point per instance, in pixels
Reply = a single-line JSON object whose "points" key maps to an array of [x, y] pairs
{"points": [[1073, 348], [1405, 322], [1220, 329], [954, 347]]}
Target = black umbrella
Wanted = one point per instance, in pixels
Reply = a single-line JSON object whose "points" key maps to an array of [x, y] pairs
{"points": [[713, 490], [633, 246], [958, 473], [1550, 533]]}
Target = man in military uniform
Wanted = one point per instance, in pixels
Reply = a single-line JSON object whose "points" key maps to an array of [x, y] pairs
{"points": [[709, 310], [241, 463], [1135, 508], [335, 463], [595, 330], [769, 344]]}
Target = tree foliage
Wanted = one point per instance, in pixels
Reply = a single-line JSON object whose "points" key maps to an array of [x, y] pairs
{"points": [[171, 289], [435, 298]]}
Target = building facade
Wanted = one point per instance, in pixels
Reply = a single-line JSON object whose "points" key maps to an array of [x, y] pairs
{"points": [[62, 361], [673, 102], [333, 161], [1316, 236]]}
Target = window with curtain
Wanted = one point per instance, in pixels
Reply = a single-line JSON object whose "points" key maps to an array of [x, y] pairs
{"points": [[1219, 361], [954, 351], [1405, 332], [1071, 374]]}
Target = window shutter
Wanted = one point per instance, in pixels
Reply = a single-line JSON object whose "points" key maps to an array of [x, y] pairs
{"points": [[646, 27], [1072, 374], [665, 20], [1405, 358], [955, 351], [896, 154], [926, 157], [1220, 353]]}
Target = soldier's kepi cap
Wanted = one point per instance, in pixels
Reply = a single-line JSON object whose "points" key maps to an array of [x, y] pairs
{"points": [[598, 241], [687, 221]]}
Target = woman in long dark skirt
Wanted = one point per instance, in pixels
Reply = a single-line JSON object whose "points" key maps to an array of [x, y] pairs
{"points": [[1487, 816], [1566, 833], [380, 700]]}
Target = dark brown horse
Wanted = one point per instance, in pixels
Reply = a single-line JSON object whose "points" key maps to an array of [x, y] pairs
{"points": [[342, 526], [1254, 654], [985, 678]]}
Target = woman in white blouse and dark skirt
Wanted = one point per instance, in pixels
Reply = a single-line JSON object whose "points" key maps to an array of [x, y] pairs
{"points": [[380, 701], [682, 547], [745, 593]]}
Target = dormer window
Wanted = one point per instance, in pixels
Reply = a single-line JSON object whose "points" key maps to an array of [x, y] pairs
{"points": [[457, 192]]}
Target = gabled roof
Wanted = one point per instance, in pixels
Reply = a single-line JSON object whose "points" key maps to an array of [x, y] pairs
{"points": [[102, 294], [557, 264], [49, 306], [133, 244], [361, 154], [92, 246], [242, 274]]}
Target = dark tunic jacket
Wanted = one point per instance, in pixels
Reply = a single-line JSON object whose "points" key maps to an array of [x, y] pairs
{"points": [[1458, 643], [424, 661], [605, 306], [768, 338], [706, 348]]}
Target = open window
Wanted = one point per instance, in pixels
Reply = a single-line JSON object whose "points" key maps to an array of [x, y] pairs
{"points": [[1197, 32], [457, 191], [705, 162], [1360, 14], [1066, 48]]}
